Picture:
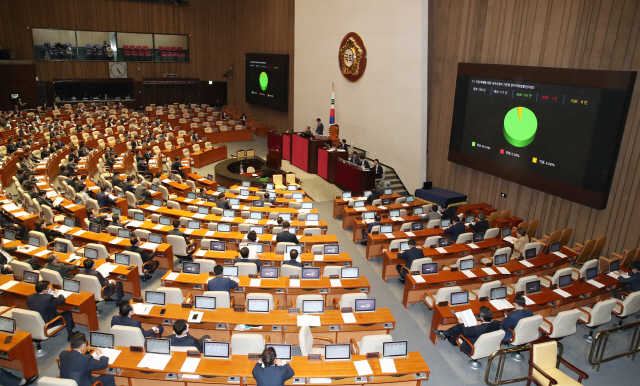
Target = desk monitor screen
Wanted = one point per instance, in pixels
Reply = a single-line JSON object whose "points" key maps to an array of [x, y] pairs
{"points": [[246, 184], [564, 280], [411, 198], [269, 273], [386, 229], [60, 247], [11, 235], [429, 268], [349, 272], [306, 205], [223, 227], [394, 349], [338, 351], [191, 196], [193, 224], [388, 192], [95, 228], [203, 210], [259, 229], [310, 273], [346, 195], [154, 187], [530, 253], [555, 247], [258, 203], [34, 240], [154, 297], [122, 259], [292, 188], [500, 259], [217, 350], [270, 186], [386, 201], [365, 305], [283, 351], [120, 194], [245, 192], [138, 216], [368, 215], [124, 233], [366, 193], [469, 218], [117, 211], [155, 238], [220, 246], [532, 287], [230, 270], [297, 196], [417, 210], [313, 217], [31, 209], [458, 298], [445, 223], [69, 221], [71, 285], [467, 264], [163, 220], [404, 245], [331, 249], [256, 247], [293, 230], [394, 213], [498, 293], [229, 213], [191, 267], [506, 232], [313, 306], [258, 305], [101, 340], [285, 216], [417, 226], [592, 273], [210, 177], [255, 215], [157, 346], [221, 189], [358, 204], [205, 303], [7, 325], [234, 201], [30, 277], [79, 201], [289, 248], [90, 253], [614, 266], [444, 242], [477, 237]]}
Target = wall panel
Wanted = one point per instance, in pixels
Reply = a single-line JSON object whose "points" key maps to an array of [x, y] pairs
{"points": [[586, 34]]}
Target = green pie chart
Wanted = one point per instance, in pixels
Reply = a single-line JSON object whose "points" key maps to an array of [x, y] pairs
{"points": [[264, 80], [520, 125]]}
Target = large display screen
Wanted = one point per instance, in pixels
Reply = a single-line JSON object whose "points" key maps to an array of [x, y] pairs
{"points": [[267, 80], [552, 129]]}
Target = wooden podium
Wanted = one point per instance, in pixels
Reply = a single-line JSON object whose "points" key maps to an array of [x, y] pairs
{"points": [[274, 159]]}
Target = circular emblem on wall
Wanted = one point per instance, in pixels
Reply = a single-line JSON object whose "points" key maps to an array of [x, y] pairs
{"points": [[352, 57]]}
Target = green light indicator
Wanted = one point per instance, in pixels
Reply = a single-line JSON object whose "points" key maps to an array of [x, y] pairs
{"points": [[520, 126], [264, 80]]}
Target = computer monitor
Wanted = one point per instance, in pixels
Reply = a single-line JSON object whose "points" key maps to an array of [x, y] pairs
{"points": [[101, 340], [120, 194], [555, 247], [203, 210], [255, 215], [394, 213], [388, 192], [205, 303], [444, 242], [270, 186], [11, 235], [411, 198], [368, 215], [221, 189], [154, 297], [157, 346], [312, 306], [564, 280], [313, 217], [246, 184], [223, 227], [310, 273], [191, 195], [297, 196], [34, 241], [386, 229], [193, 224], [122, 259], [394, 349], [458, 298], [417, 226], [155, 238], [219, 246], [228, 213], [285, 216], [245, 192], [70, 222], [154, 187], [614, 265], [498, 293], [532, 287], [258, 203], [530, 253], [190, 267], [366, 193], [506, 232], [30, 277], [467, 264], [500, 259], [289, 248], [331, 249], [71, 285], [90, 253], [477, 237], [306, 205], [269, 273], [163, 220], [292, 188], [358, 204], [429, 268], [124, 233], [93, 227], [469, 218], [365, 305], [350, 272], [255, 247], [592, 273], [230, 270], [417, 211], [138, 216], [216, 350], [445, 223], [31, 209], [7, 325], [404, 245], [79, 201], [283, 351], [258, 305], [337, 351], [60, 247], [117, 211]]}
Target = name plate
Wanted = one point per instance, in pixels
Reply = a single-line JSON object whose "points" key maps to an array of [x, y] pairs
{"points": [[294, 310], [254, 356], [238, 309], [314, 357], [373, 355], [187, 305], [346, 309], [136, 349]]}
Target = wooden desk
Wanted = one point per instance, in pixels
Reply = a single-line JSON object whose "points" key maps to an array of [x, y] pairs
{"points": [[202, 181], [359, 225], [350, 214], [272, 259], [327, 161], [82, 305], [177, 213], [208, 156], [278, 192], [339, 204], [376, 243], [18, 354], [349, 177]]}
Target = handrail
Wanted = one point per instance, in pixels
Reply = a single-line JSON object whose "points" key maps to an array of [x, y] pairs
{"points": [[599, 345], [502, 354]]}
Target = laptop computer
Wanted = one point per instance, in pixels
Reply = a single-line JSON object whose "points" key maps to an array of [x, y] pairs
{"points": [[306, 205], [10, 235], [95, 228], [154, 297], [444, 242], [258, 203], [417, 226], [365, 305], [358, 204], [205, 303], [245, 192], [221, 189], [368, 215], [223, 227], [124, 233], [592, 273], [614, 266], [34, 241], [292, 188], [477, 237], [191, 267], [310, 273], [337, 352], [122, 259], [157, 346], [155, 238], [564, 280], [417, 211], [219, 246], [101, 340], [388, 192], [269, 273], [229, 213], [246, 184], [216, 350], [138, 216], [530, 253], [232, 202], [297, 196], [458, 298], [555, 247], [532, 287], [258, 305], [203, 210], [331, 249], [429, 268], [313, 217], [312, 306], [90, 253], [163, 220], [404, 245], [500, 259], [71, 285], [60, 247], [229, 271], [285, 216], [30, 277], [498, 293], [386, 229], [7, 325], [117, 211], [193, 224], [191, 195], [394, 213], [255, 215], [445, 223], [469, 218], [467, 264], [506, 232], [350, 272], [395, 349]]}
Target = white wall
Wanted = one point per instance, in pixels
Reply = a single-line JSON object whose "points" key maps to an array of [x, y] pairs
{"points": [[385, 112]]}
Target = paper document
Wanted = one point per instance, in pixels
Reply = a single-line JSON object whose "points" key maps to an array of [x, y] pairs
{"points": [[360, 209], [363, 368], [188, 199], [190, 365], [155, 361], [395, 219], [510, 239], [562, 255], [20, 214], [528, 301], [10, 207], [335, 283], [189, 231], [8, 285], [318, 258], [468, 318], [28, 248], [441, 250], [116, 240], [320, 380], [64, 229], [243, 197], [227, 219], [251, 221], [409, 234], [387, 365], [308, 320], [158, 227], [195, 316], [72, 258], [52, 194], [153, 207], [469, 273], [383, 207], [107, 268], [198, 215], [418, 278], [201, 252], [254, 283], [489, 271], [135, 224], [503, 270], [501, 304], [42, 253], [110, 353], [71, 206], [294, 283], [389, 235], [473, 246], [209, 233], [191, 376], [167, 181], [141, 308], [64, 293], [312, 223], [348, 317], [595, 283], [562, 293], [526, 263], [172, 276]]}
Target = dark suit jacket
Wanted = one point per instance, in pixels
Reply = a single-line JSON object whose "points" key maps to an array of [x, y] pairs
{"points": [[118, 320], [77, 366], [455, 230], [363, 163], [222, 203], [45, 305], [62, 268], [178, 232], [50, 234], [473, 333], [370, 226], [220, 283], [479, 227], [373, 196], [143, 253], [93, 272], [254, 261], [104, 200], [272, 375], [449, 212], [410, 255], [128, 187], [320, 129], [343, 146], [378, 170], [185, 341], [98, 220], [633, 281], [511, 321], [294, 263], [286, 237]]}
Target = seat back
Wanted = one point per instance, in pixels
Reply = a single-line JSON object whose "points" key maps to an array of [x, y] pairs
{"points": [[51, 276], [586, 252], [566, 236], [90, 284], [491, 233], [331, 270], [300, 298], [487, 344], [485, 288], [601, 312], [245, 269], [597, 249], [306, 340], [460, 260], [565, 323], [135, 259], [373, 343], [526, 330], [493, 217], [223, 298], [535, 245], [244, 344], [179, 245], [268, 297], [416, 265], [553, 238], [349, 300], [205, 264], [41, 236], [433, 223], [561, 272], [171, 295], [431, 241], [102, 250], [631, 304], [287, 270], [29, 321], [127, 336], [444, 293], [522, 282], [18, 267], [50, 381], [544, 355]]}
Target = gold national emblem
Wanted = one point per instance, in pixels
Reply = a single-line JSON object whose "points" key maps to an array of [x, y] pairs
{"points": [[352, 57]]}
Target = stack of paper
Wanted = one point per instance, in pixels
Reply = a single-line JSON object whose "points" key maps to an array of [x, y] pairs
{"points": [[294, 283], [8, 285], [312, 223], [52, 194], [318, 258], [361, 209], [42, 253], [167, 181], [317, 381], [64, 293], [110, 353], [388, 365], [158, 227], [473, 246], [510, 239], [562, 293], [58, 201], [560, 254], [409, 234], [10, 207], [383, 207], [335, 283], [397, 219], [153, 207], [501, 304], [526, 263], [595, 283], [529, 302], [468, 318], [64, 229], [155, 361], [468, 273], [441, 250], [190, 365], [116, 240], [254, 283], [227, 219], [503, 270], [28, 248], [389, 235], [20, 214], [363, 368], [198, 215], [348, 317], [418, 278], [201, 252], [251, 221], [489, 271], [189, 231], [172, 276], [106, 269], [72, 258], [135, 224], [308, 320]]}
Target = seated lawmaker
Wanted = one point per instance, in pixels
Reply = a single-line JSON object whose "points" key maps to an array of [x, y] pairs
{"points": [[147, 259], [244, 258], [286, 236], [511, 321], [410, 255], [124, 319], [182, 338], [455, 229], [270, 371], [633, 281], [294, 259], [518, 246], [221, 283], [76, 365], [481, 225], [485, 325], [103, 198], [365, 232], [112, 285], [44, 302], [54, 264]]}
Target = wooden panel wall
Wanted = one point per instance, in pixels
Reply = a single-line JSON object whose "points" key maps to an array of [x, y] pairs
{"points": [[589, 34], [220, 32]]}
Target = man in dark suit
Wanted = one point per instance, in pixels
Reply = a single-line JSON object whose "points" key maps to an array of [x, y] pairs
{"points": [[176, 167], [143, 167], [176, 231], [195, 137], [8, 379], [354, 158], [455, 229], [343, 145], [112, 285], [182, 338], [271, 372], [76, 365], [147, 259], [294, 260], [50, 234], [124, 319], [363, 162], [54, 264], [115, 221], [222, 203], [633, 281], [244, 258], [221, 283], [485, 325], [320, 127], [511, 321], [449, 212], [481, 225], [285, 236], [103, 198], [44, 302], [409, 255], [365, 232], [128, 186], [375, 195], [95, 219], [377, 168]]}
